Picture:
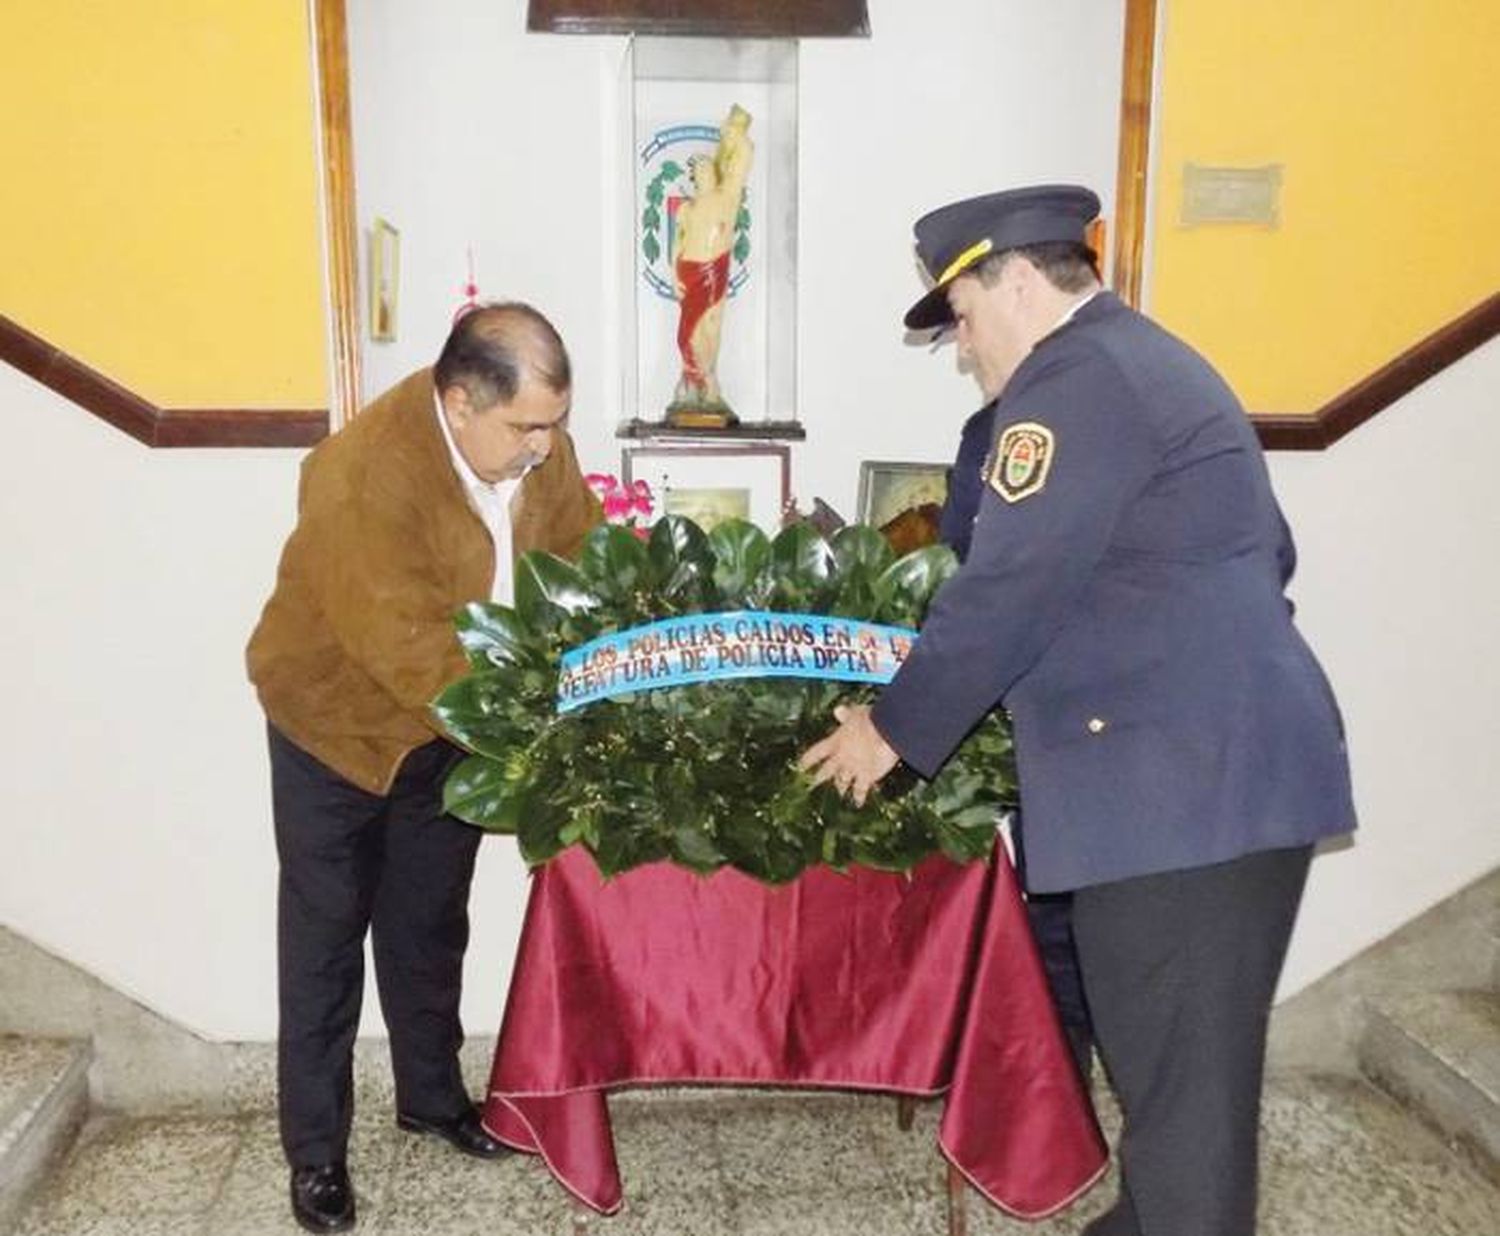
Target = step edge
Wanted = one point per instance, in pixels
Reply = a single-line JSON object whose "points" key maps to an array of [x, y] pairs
{"points": [[18, 1113], [1411, 1078], [1389, 1013], [28, 1160]]}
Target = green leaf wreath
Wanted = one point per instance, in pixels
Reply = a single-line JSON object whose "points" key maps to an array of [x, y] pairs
{"points": [[704, 774]]}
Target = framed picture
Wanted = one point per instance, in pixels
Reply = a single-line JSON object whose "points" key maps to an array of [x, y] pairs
{"points": [[887, 489], [709, 484], [385, 279]]}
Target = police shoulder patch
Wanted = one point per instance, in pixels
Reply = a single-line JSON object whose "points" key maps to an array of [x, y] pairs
{"points": [[1023, 457]]}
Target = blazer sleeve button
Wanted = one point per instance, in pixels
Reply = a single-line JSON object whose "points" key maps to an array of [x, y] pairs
{"points": [[1096, 725]]}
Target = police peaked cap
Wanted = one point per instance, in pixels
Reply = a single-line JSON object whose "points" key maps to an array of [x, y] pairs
{"points": [[952, 239]]}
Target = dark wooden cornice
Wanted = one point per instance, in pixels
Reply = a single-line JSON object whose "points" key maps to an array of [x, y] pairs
{"points": [[743, 19], [141, 418], [1315, 431]]}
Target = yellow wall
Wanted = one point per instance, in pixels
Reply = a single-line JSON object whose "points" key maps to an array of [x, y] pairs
{"points": [[1385, 116], [160, 214]]}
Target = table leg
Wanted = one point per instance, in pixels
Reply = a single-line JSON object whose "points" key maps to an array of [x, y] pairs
{"points": [[906, 1112], [958, 1217]]}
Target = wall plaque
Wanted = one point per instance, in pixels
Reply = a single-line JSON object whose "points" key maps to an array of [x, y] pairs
{"points": [[1231, 195]]}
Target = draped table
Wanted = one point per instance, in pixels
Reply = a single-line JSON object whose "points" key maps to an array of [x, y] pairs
{"points": [[919, 985]]}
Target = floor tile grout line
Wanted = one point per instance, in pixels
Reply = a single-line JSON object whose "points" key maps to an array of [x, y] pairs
{"points": [[242, 1139]]}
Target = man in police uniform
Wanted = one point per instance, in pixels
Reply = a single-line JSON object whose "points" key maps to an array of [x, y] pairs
{"points": [[1179, 749]]}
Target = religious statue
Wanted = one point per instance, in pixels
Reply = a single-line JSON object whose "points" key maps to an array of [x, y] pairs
{"points": [[702, 238]]}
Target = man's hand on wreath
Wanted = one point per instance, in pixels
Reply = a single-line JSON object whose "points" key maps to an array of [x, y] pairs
{"points": [[854, 757]]}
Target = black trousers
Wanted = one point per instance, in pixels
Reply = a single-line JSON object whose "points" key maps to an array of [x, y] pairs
{"points": [[395, 866], [1180, 970], [1051, 919]]}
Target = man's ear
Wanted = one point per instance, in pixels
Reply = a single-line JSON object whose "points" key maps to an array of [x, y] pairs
{"points": [[1021, 278], [456, 402]]}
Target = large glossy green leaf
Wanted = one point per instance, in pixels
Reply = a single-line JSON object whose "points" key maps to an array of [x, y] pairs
{"points": [[742, 554], [801, 567], [861, 547], [494, 635], [682, 564], [613, 561], [861, 555], [481, 711], [906, 587], [799, 555], [478, 791], [548, 589]]}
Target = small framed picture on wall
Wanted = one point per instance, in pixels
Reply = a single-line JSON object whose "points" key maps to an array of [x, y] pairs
{"points": [[887, 489], [385, 280]]}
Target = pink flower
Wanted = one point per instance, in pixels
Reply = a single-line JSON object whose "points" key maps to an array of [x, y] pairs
{"points": [[641, 500], [617, 507], [622, 503]]}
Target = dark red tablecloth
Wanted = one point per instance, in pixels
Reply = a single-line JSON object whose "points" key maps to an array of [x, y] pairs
{"points": [[864, 981]]}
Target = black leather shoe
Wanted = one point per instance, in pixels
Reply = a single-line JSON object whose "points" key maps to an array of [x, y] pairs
{"points": [[322, 1199], [463, 1131]]}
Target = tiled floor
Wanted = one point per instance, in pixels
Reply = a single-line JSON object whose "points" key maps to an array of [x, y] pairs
{"points": [[1340, 1160]]}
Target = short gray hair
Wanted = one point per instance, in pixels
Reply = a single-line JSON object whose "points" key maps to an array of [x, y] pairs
{"points": [[1065, 264], [492, 347]]}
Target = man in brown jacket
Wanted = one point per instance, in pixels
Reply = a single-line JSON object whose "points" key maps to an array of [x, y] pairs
{"points": [[420, 505]]}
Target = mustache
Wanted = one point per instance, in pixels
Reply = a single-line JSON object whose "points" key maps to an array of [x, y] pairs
{"points": [[526, 461]]}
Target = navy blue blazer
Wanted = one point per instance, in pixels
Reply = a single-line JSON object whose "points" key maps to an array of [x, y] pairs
{"points": [[966, 482], [1130, 616]]}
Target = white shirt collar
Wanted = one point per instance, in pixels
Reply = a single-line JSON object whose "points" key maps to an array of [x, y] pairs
{"points": [[1074, 308], [491, 502]]}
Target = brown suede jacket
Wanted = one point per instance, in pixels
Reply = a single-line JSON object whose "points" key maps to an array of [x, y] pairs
{"points": [[358, 637]]}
